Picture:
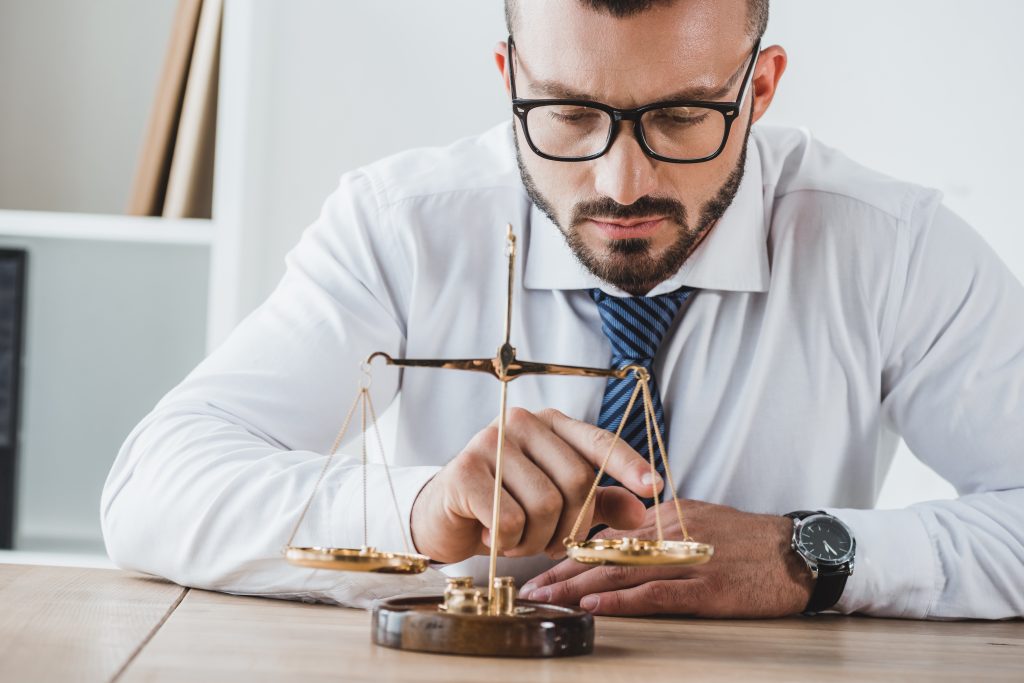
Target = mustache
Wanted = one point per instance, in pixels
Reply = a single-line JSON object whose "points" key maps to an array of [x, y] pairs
{"points": [[647, 205]]}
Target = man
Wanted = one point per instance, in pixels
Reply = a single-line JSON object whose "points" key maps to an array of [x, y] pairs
{"points": [[799, 314]]}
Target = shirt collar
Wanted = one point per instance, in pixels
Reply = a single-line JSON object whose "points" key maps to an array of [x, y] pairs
{"points": [[733, 257]]}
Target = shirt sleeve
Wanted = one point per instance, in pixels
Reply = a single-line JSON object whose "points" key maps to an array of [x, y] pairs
{"points": [[207, 488], [953, 387]]}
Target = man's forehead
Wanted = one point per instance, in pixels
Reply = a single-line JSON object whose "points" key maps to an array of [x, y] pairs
{"points": [[687, 49]]}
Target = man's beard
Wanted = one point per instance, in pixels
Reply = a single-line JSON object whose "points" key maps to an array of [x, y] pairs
{"points": [[630, 265]]}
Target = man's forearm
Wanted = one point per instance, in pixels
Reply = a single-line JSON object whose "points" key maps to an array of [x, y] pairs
{"points": [[203, 502], [941, 559]]}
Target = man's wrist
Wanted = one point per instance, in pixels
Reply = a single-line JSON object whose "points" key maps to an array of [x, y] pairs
{"points": [[797, 576], [416, 503]]}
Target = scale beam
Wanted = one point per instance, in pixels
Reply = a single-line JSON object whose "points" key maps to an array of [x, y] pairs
{"points": [[508, 368]]}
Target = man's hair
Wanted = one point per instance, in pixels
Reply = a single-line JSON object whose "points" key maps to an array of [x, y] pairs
{"points": [[757, 11]]}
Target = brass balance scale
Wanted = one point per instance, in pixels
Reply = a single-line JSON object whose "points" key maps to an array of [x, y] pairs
{"points": [[493, 622]]}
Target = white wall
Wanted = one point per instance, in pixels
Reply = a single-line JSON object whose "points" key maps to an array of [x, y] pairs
{"points": [[77, 80], [338, 84], [927, 90]]}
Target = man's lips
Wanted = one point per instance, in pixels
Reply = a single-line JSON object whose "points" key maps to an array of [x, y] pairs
{"points": [[635, 228]]}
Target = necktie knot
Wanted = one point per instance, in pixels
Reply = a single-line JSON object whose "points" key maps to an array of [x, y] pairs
{"points": [[636, 325]]}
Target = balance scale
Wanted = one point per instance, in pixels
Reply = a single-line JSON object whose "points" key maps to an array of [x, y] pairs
{"points": [[492, 621]]}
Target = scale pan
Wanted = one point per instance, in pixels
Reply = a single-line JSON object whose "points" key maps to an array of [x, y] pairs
{"points": [[639, 552], [357, 560]]}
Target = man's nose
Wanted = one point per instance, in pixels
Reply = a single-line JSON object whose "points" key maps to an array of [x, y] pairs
{"points": [[624, 173]]}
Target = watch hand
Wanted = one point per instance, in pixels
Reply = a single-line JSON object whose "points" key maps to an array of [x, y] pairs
{"points": [[829, 548]]}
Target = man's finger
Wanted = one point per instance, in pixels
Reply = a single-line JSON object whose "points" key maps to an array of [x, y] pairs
{"points": [[596, 580], [560, 572], [603, 579], [672, 596], [537, 496], [571, 474], [511, 517], [593, 443], [618, 508]]}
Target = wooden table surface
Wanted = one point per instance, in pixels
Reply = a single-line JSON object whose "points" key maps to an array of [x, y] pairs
{"points": [[62, 624]]}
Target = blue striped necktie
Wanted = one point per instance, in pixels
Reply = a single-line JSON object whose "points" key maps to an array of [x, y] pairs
{"points": [[635, 326]]}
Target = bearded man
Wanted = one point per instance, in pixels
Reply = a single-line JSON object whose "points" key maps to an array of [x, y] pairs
{"points": [[798, 314]]}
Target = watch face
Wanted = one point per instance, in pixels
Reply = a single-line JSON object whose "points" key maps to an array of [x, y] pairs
{"points": [[825, 539]]}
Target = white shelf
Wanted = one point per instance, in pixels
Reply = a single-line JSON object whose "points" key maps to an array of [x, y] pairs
{"points": [[57, 558], [78, 226]]}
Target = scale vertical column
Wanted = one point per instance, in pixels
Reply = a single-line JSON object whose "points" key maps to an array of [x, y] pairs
{"points": [[506, 354]]}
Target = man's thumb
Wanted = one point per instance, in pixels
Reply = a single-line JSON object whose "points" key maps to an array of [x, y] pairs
{"points": [[618, 508]]}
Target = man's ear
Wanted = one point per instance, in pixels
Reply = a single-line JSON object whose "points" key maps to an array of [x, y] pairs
{"points": [[771, 64], [500, 54]]}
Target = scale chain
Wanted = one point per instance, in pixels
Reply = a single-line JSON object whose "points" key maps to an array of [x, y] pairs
{"points": [[593, 487], [642, 389], [364, 401], [323, 470], [362, 448], [387, 473], [648, 416], [668, 471]]}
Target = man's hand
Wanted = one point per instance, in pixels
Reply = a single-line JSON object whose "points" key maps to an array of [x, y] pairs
{"points": [[753, 572], [548, 468]]}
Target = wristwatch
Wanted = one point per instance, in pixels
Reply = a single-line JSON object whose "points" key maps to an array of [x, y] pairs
{"points": [[827, 546]]}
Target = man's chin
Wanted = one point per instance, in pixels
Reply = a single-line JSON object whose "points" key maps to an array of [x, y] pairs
{"points": [[628, 247], [634, 265], [629, 267]]}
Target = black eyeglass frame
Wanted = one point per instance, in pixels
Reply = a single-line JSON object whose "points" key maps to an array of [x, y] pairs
{"points": [[729, 110]]}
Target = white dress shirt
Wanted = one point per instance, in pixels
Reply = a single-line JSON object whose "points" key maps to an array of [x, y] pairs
{"points": [[838, 310]]}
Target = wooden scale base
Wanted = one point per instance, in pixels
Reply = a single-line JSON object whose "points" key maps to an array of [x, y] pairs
{"points": [[534, 630], [465, 620]]}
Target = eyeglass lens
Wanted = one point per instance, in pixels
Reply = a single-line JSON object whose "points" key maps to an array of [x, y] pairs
{"points": [[574, 131]]}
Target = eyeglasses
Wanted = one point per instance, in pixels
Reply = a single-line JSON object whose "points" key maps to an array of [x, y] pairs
{"points": [[676, 131]]}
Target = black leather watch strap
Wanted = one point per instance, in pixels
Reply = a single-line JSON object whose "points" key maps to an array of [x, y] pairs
{"points": [[827, 591], [800, 514]]}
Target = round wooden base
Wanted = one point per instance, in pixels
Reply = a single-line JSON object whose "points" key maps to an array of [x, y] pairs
{"points": [[539, 631]]}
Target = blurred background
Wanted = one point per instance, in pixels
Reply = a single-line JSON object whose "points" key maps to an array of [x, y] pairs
{"points": [[123, 296]]}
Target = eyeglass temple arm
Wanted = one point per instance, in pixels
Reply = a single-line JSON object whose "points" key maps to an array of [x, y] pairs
{"points": [[749, 75], [511, 71]]}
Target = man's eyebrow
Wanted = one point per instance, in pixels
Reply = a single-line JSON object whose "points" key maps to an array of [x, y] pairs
{"points": [[557, 90]]}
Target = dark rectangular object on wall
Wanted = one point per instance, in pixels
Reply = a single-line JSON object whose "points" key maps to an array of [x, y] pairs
{"points": [[12, 307]]}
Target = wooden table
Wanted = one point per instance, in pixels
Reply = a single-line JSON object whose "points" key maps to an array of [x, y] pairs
{"points": [[61, 624]]}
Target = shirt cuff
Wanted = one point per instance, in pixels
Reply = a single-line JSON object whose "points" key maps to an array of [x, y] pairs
{"points": [[385, 530], [896, 571]]}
